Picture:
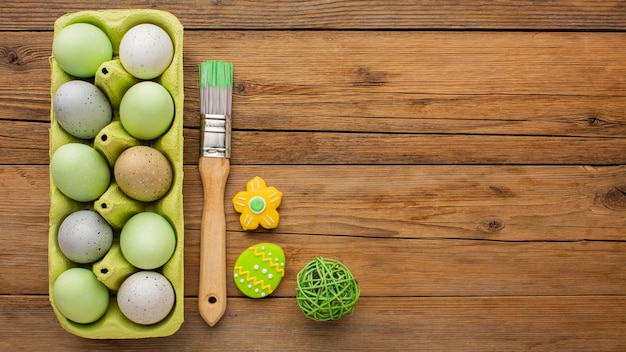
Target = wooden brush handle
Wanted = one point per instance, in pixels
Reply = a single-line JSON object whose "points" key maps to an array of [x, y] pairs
{"points": [[212, 291]]}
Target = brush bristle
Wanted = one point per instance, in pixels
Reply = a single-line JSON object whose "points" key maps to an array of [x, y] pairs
{"points": [[216, 87]]}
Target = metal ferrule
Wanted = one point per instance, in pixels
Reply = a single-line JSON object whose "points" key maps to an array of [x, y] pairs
{"points": [[215, 135]]}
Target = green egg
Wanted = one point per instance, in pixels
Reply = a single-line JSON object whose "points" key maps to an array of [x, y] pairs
{"points": [[147, 240], [80, 172], [146, 110], [259, 270], [81, 48], [79, 296]]}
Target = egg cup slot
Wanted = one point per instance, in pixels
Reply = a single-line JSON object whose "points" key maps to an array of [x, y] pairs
{"points": [[114, 205], [114, 81], [113, 269], [113, 140]]}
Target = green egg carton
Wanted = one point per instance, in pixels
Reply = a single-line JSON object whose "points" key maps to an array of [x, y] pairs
{"points": [[114, 206]]}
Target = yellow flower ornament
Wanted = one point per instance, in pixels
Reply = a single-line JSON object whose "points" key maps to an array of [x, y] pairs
{"points": [[257, 205]]}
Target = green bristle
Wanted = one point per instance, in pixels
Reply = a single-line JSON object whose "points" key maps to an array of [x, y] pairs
{"points": [[216, 87], [216, 74]]}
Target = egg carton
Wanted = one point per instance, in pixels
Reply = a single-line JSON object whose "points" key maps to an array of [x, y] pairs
{"points": [[114, 206]]}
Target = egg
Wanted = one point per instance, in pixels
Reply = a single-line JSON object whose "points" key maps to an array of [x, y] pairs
{"points": [[147, 240], [146, 50], [80, 48], [79, 296], [146, 110], [146, 297], [143, 173], [81, 109], [80, 172], [259, 270], [84, 236]]}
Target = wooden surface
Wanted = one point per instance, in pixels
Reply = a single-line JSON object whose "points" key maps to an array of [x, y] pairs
{"points": [[465, 159]]}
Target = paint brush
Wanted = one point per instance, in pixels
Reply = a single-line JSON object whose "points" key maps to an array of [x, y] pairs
{"points": [[216, 85]]}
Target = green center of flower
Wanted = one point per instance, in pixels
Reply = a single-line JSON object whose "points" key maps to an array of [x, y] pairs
{"points": [[257, 205]]}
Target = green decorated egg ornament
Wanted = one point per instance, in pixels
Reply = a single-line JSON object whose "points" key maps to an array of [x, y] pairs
{"points": [[259, 270]]}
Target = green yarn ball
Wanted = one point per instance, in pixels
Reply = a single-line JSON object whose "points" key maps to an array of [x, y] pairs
{"points": [[326, 290]]}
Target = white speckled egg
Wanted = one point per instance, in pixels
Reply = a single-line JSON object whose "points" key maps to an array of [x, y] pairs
{"points": [[81, 109], [146, 297], [146, 51], [84, 236]]}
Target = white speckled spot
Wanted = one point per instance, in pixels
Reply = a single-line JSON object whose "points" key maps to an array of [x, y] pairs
{"points": [[81, 109], [146, 51], [143, 173], [146, 297], [84, 236]]}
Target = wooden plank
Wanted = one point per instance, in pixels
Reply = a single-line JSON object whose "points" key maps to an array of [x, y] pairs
{"points": [[420, 82], [24, 205], [478, 82], [355, 63], [505, 203], [393, 267], [379, 14], [330, 148], [344, 148], [389, 266], [448, 230], [24, 143], [307, 148], [345, 62], [398, 324], [398, 140], [25, 76], [414, 112]]}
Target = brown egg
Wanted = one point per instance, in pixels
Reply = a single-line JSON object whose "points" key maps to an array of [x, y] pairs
{"points": [[143, 173]]}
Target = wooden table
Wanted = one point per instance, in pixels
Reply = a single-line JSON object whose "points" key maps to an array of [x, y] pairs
{"points": [[465, 159]]}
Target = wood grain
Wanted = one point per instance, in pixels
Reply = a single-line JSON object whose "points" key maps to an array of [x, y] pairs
{"points": [[512, 230], [379, 14], [363, 148], [397, 324], [463, 158], [212, 296], [517, 203], [345, 148], [463, 82], [393, 267], [529, 91]]}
